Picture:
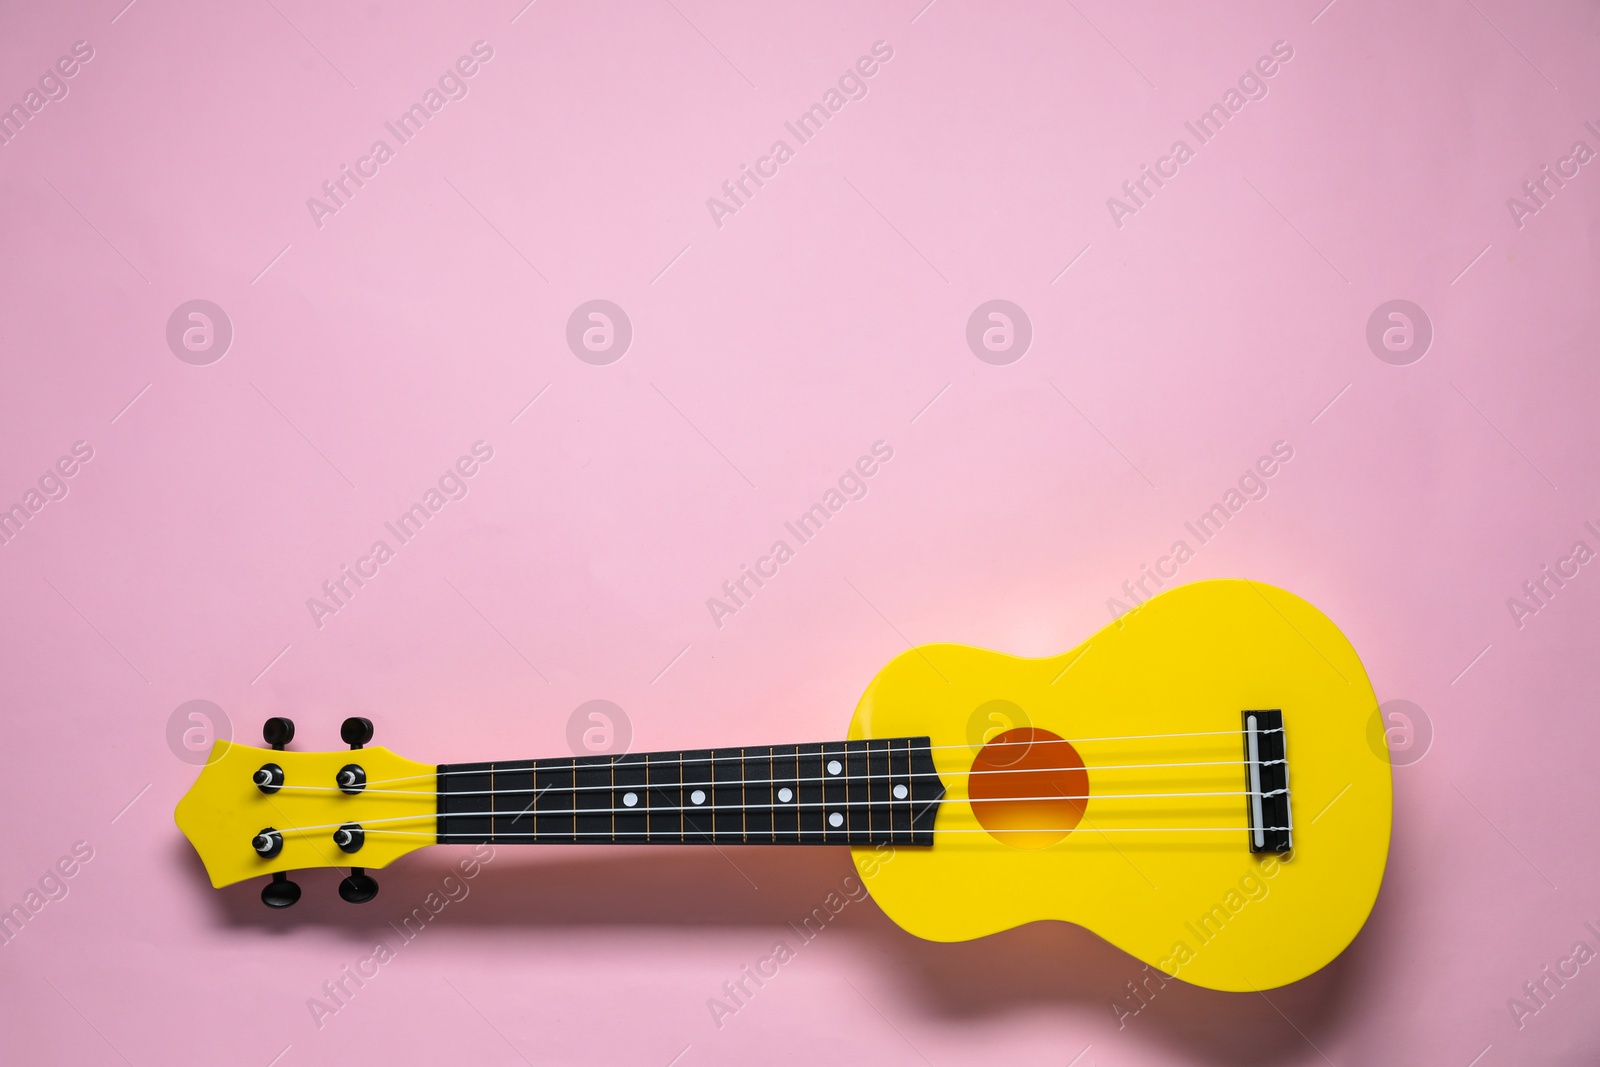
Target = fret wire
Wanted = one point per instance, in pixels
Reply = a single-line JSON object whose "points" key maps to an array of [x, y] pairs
{"points": [[842, 784], [866, 763], [867, 757], [542, 786], [911, 796], [872, 827], [802, 790], [573, 798], [844, 776], [894, 812], [822, 791], [822, 776], [532, 813], [794, 783], [866, 781], [849, 793], [844, 780]]}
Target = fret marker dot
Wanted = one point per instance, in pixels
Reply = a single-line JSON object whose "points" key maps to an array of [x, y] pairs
{"points": [[836, 819], [698, 796], [630, 799], [834, 766], [901, 792], [786, 794]]}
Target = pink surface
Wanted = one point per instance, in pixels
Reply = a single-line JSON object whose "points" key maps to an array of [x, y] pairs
{"points": [[771, 346]]}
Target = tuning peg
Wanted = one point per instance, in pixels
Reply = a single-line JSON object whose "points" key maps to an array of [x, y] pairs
{"points": [[352, 778], [269, 779], [278, 732], [280, 892], [359, 888], [356, 731], [268, 843]]}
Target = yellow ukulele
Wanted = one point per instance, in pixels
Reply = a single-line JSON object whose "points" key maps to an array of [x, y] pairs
{"points": [[1195, 783]]}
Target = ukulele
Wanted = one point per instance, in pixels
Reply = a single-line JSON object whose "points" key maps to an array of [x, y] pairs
{"points": [[1204, 783]]}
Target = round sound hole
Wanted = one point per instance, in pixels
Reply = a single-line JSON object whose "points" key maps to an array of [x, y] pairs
{"points": [[1028, 787]]}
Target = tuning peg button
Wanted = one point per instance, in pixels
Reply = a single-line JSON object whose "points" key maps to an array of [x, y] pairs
{"points": [[278, 731], [352, 778], [268, 843], [280, 892], [359, 888], [356, 731], [350, 837], [269, 779]]}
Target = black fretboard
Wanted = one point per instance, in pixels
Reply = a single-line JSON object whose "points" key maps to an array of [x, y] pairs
{"points": [[837, 793]]}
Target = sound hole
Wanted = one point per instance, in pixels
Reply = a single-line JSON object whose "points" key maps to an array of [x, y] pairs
{"points": [[1028, 787]]}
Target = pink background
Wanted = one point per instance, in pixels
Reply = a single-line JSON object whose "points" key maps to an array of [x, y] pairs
{"points": [[767, 355]]}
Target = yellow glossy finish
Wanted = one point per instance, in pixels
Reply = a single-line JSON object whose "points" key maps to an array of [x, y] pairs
{"points": [[224, 810], [1197, 905]]}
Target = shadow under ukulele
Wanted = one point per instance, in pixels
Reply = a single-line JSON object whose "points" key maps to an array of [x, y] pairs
{"points": [[1058, 968]]}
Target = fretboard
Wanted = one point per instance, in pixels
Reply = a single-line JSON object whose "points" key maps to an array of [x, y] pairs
{"points": [[882, 791]]}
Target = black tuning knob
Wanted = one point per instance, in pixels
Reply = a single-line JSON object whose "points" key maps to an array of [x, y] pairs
{"points": [[352, 778], [359, 887], [278, 731], [280, 892], [268, 843], [350, 837], [269, 779], [356, 731]]}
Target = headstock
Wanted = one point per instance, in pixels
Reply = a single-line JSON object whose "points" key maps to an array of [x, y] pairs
{"points": [[264, 811]]}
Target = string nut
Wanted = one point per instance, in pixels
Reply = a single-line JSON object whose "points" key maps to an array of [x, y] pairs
{"points": [[352, 778], [350, 837], [268, 843], [356, 731], [359, 888], [278, 731], [280, 892], [269, 779]]}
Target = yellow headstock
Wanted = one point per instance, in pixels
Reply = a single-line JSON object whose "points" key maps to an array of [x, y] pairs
{"points": [[225, 810]]}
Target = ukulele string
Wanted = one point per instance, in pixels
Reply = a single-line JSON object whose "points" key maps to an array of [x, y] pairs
{"points": [[909, 751], [561, 835], [780, 781], [681, 809], [752, 783]]}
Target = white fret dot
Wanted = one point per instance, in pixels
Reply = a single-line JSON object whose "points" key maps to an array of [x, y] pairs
{"points": [[836, 819], [786, 794], [834, 766], [630, 799], [901, 792], [698, 796]]}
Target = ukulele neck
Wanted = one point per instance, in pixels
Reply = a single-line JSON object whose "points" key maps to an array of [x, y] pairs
{"points": [[870, 792]]}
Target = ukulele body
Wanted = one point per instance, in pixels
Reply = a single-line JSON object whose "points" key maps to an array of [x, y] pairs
{"points": [[1194, 904]]}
